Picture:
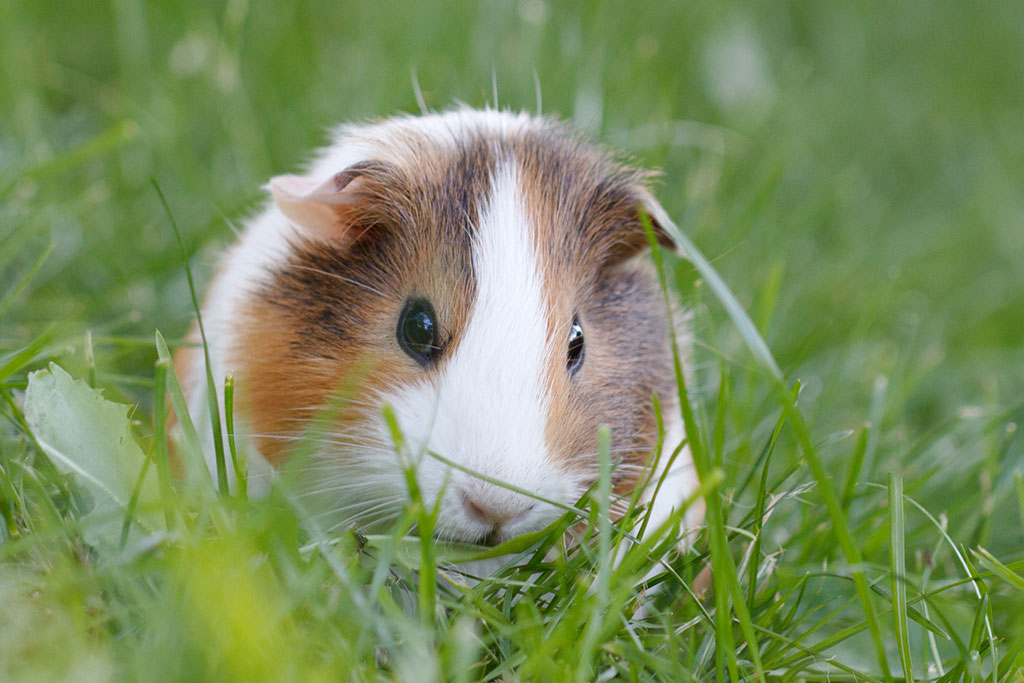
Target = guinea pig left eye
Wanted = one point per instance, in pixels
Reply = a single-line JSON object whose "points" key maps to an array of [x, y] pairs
{"points": [[575, 356], [417, 331]]}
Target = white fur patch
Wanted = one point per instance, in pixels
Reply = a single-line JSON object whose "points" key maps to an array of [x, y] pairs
{"points": [[389, 140]]}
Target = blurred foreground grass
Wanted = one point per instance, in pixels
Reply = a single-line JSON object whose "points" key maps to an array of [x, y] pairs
{"points": [[854, 173]]}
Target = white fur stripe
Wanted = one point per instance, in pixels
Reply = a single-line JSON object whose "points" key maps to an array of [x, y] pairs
{"points": [[487, 410], [501, 359]]}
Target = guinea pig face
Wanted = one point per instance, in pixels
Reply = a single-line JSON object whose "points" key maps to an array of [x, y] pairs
{"points": [[481, 273]]}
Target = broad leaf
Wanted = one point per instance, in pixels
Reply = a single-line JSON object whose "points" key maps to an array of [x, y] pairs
{"points": [[89, 437]]}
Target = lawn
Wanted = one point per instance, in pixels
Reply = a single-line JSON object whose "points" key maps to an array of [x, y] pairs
{"points": [[852, 173]]}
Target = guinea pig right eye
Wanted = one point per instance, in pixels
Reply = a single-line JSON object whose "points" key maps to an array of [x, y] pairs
{"points": [[575, 355], [417, 331]]}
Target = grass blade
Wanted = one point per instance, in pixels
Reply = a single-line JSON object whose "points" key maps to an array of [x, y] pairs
{"points": [[983, 621], [239, 464], [759, 508], [191, 450], [599, 611], [852, 475], [897, 573], [9, 297], [22, 358], [1018, 479], [999, 569], [425, 520], [163, 469]]}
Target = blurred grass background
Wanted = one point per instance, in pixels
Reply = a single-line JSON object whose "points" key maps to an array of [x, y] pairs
{"points": [[854, 171]]}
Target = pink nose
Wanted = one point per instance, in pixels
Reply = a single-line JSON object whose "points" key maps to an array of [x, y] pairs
{"points": [[496, 508]]}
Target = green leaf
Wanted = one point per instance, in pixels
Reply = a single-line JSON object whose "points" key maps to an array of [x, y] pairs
{"points": [[898, 571], [90, 438], [999, 569]]}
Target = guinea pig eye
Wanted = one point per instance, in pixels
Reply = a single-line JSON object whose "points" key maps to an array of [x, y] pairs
{"points": [[575, 358], [417, 331]]}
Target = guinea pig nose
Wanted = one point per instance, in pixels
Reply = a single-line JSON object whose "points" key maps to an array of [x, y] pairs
{"points": [[496, 511]]}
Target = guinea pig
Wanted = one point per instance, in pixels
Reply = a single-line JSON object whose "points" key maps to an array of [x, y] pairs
{"points": [[486, 275]]}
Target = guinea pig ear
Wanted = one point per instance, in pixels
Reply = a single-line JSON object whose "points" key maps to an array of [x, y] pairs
{"points": [[323, 208], [660, 222]]}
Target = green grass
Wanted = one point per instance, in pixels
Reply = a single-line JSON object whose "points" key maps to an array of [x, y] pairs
{"points": [[851, 173]]}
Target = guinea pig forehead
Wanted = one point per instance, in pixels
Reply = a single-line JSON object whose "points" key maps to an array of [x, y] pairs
{"points": [[437, 186], [583, 203]]}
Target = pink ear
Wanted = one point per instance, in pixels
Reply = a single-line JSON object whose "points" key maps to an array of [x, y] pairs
{"points": [[318, 207]]}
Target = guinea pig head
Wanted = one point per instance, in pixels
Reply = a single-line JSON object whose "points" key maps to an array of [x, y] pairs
{"points": [[483, 275]]}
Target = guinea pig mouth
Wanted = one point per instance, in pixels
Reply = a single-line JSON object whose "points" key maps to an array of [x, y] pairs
{"points": [[492, 539], [496, 536]]}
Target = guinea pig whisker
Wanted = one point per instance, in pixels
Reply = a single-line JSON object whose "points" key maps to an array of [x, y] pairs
{"points": [[334, 512], [335, 487], [620, 449], [381, 512], [329, 469], [342, 480], [279, 437], [341, 278], [364, 519], [362, 508], [361, 523], [592, 457], [353, 446]]}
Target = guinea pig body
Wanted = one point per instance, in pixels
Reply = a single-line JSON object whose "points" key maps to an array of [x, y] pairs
{"points": [[485, 275]]}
